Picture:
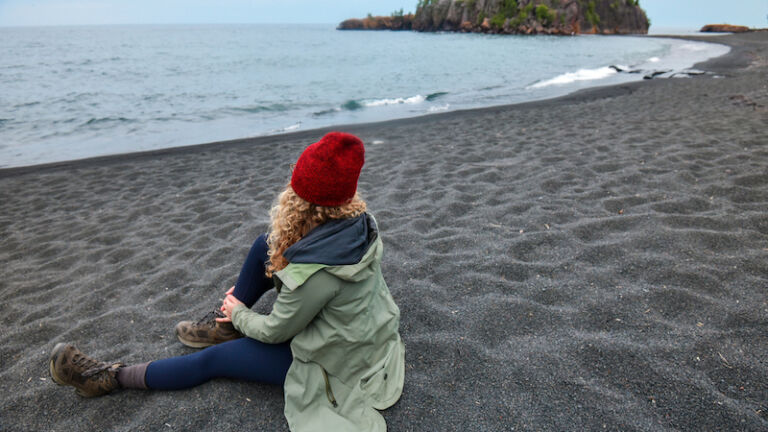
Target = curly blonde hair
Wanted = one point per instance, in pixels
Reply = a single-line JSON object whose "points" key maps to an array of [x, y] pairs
{"points": [[293, 217]]}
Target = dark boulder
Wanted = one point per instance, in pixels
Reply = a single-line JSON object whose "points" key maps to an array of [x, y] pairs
{"points": [[723, 28], [398, 22]]}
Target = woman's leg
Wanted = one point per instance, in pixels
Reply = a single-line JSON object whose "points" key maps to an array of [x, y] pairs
{"points": [[244, 359], [251, 285], [252, 282]]}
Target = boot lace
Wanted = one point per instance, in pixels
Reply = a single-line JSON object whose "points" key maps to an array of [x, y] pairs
{"points": [[210, 318], [92, 367]]}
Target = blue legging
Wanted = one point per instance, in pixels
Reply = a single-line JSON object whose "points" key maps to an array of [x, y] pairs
{"points": [[244, 358]]}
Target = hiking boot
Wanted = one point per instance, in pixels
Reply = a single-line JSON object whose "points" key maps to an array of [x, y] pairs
{"points": [[207, 331], [89, 377]]}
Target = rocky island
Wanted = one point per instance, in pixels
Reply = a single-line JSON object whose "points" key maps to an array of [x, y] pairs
{"points": [[724, 28], [554, 17]]}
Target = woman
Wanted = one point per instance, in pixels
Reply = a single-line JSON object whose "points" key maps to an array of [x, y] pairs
{"points": [[332, 337]]}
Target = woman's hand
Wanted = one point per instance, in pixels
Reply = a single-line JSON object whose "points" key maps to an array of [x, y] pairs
{"points": [[229, 304], [228, 292]]}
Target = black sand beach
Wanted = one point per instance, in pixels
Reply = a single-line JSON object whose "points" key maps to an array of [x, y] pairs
{"points": [[593, 262]]}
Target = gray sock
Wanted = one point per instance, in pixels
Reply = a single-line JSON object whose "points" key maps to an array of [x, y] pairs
{"points": [[133, 377]]}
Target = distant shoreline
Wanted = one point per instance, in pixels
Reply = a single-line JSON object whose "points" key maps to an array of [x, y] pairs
{"points": [[588, 93]]}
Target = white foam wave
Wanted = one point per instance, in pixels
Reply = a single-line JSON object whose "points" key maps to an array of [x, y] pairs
{"points": [[290, 128], [654, 60], [579, 75], [395, 101], [694, 47], [439, 108]]}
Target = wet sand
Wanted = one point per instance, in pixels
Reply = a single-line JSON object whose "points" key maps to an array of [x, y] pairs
{"points": [[592, 262]]}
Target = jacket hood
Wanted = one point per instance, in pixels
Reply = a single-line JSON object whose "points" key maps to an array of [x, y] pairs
{"points": [[346, 248]]}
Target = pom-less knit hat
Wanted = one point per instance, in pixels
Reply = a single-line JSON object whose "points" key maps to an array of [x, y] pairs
{"points": [[327, 171]]}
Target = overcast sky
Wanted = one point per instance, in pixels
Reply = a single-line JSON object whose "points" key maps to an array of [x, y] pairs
{"points": [[666, 13]]}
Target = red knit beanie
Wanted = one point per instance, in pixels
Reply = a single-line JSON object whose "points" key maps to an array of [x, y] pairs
{"points": [[327, 171]]}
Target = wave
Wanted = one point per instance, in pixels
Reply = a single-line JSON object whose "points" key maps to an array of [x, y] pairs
{"points": [[695, 47], [579, 75], [26, 104], [433, 96], [95, 122], [326, 112], [493, 87], [396, 101], [439, 108], [289, 128], [64, 120], [358, 104], [351, 105], [275, 107]]}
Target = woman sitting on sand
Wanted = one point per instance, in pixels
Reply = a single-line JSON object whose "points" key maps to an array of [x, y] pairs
{"points": [[332, 337]]}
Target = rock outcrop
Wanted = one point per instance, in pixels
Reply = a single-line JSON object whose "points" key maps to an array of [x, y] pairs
{"points": [[398, 22], [559, 17], [723, 28]]}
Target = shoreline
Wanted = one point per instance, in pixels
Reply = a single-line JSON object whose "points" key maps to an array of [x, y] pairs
{"points": [[265, 139]]}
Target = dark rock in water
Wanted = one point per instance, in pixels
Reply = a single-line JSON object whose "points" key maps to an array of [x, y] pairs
{"points": [[687, 73], [693, 72], [564, 17], [723, 28], [654, 74], [396, 22], [651, 74]]}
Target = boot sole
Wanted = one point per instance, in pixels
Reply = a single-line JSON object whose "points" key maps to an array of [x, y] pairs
{"points": [[54, 355], [194, 344]]}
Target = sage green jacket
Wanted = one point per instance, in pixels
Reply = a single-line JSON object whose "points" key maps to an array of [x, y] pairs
{"points": [[348, 358]]}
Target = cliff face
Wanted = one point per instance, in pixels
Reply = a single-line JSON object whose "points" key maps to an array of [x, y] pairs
{"points": [[562, 17]]}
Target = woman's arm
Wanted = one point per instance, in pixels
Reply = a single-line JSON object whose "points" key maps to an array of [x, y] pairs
{"points": [[293, 310]]}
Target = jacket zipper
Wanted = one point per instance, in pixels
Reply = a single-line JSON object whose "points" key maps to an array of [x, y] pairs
{"points": [[328, 391]]}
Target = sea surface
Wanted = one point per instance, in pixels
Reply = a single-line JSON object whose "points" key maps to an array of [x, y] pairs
{"points": [[75, 92]]}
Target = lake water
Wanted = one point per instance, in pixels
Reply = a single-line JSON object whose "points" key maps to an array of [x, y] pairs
{"points": [[75, 92]]}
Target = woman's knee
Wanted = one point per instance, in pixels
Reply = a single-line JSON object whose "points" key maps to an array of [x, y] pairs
{"points": [[260, 248]]}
